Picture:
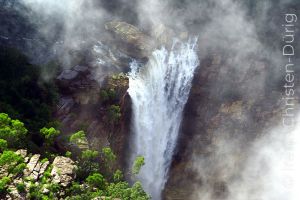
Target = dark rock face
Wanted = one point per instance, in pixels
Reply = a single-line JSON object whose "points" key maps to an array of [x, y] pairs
{"points": [[85, 105], [76, 79]]}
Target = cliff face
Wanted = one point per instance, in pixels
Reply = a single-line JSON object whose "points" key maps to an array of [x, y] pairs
{"points": [[222, 108], [102, 111]]}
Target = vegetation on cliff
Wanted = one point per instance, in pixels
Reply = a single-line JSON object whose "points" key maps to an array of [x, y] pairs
{"points": [[87, 174]]}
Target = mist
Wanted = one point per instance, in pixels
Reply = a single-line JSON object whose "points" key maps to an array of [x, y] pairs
{"points": [[242, 31], [263, 169]]}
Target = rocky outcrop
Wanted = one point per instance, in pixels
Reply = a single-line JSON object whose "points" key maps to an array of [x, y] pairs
{"points": [[62, 173], [132, 41]]}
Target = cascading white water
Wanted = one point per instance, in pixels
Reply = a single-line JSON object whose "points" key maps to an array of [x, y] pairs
{"points": [[159, 91]]}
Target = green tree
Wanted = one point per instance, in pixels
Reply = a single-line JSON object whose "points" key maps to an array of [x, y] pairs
{"points": [[88, 163], [11, 161], [109, 155], [96, 180], [125, 192], [13, 131], [137, 165], [4, 183], [3, 145], [49, 134], [79, 138]]}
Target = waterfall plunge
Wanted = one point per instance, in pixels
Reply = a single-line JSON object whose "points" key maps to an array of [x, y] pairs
{"points": [[159, 91]]}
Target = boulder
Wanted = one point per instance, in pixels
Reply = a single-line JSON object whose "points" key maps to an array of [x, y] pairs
{"points": [[63, 171]]}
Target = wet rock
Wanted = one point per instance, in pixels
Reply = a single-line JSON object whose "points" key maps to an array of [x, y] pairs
{"points": [[164, 35], [68, 75]]}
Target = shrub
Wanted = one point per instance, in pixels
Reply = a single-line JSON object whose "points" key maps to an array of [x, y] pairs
{"points": [[109, 156], [89, 154], [87, 164], [137, 165], [3, 145], [122, 190], [114, 112], [13, 131], [96, 180], [21, 187], [118, 176], [9, 158], [78, 138], [19, 168], [4, 183], [49, 134]]}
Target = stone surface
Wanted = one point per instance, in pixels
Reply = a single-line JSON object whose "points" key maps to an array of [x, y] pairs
{"points": [[22, 152], [63, 170], [43, 167], [31, 164], [136, 43]]}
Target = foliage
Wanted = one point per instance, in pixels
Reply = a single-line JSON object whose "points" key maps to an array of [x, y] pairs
{"points": [[68, 154], [49, 134], [23, 94], [21, 187], [9, 158], [89, 154], [18, 169], [108, 94], [4, 183], [87, 163], [91, 182], [13, 131], [78, 138], [3, 145], [137, 165], [96, 180], [118, 176], [109, 156], [114, 112], [125, 192]]}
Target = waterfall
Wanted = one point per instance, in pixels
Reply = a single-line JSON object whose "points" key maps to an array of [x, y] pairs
{"points": [[159, 91]]}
